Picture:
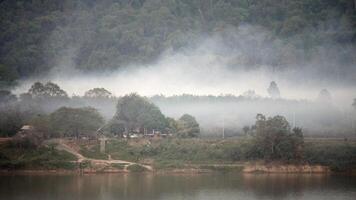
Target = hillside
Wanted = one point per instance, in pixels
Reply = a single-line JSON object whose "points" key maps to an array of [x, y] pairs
{"points": [[37, 36]]}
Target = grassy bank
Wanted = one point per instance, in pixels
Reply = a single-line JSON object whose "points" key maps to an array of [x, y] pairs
{"points": [[44, 158], [199, 154], [340, 156], [180, 153]]}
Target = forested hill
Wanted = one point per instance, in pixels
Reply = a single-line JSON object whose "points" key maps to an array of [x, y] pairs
{"points": [[37, 35]]}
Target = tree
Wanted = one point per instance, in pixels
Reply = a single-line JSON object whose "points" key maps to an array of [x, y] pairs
{"points": [[30, 138], [41, 123], [324, 96], [275, 139], [11, 120], [246, 130], [110, 33], [48, 90], [74, 122], [188, 126], [273, 90], [173, 125], [98, 93], [135, 112]]}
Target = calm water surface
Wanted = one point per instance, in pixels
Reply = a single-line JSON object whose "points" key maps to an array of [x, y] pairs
{"points": [[177, 187]]}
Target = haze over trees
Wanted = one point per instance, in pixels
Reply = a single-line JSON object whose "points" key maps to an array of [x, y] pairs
{"points": [[188, 126], [98, 93], [324, 96], [74, 122], [104, 35], [273, 90], [136, 112], [158, 112], [276, 140]]}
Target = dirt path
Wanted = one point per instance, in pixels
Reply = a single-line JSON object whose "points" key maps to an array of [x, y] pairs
{"points": [[61, 145]]}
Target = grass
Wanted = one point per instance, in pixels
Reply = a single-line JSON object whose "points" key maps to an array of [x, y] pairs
{"points": [[177, 153], [93, 152], [340, 156], [41, 158]]}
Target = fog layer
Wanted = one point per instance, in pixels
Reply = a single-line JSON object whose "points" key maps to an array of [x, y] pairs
{"points": [[231, 61]]}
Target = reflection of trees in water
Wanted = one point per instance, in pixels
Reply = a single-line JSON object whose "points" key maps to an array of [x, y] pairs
{"points": [[151, 186], [282, 185]]}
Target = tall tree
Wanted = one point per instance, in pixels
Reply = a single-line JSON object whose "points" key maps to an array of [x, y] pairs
{"points": [[273, 90], [97, 93], [48, 90], [135, 111], [275, 139], [188, 126], [324, 96], [75, 121]]}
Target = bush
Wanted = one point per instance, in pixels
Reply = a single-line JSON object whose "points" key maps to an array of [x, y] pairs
{"points": [[339, 156], [136, 168]]}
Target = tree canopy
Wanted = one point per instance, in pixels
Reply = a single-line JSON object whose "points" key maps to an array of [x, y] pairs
{"points": [[275, 139], [324, 96], [134, 111], [48, 90], [75, 121], [273, 90], [188, 126], [97, 93], [102, 35]]}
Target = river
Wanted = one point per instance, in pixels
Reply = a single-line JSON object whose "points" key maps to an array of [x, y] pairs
{"points": [[176, 187]]}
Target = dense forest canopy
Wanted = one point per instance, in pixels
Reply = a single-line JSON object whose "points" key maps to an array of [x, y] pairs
{"points": [[40, 35]]}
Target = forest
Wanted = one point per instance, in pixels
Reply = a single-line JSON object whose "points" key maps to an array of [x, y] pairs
{"points": [[96, 36], [149, 84]]}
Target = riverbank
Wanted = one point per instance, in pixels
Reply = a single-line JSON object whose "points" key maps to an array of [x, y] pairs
{"points": [[247, 168], [172, 156]]}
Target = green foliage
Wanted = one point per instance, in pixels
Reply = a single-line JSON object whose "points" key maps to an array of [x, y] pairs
{"points": [[187, 126], [340, 156], [11, 119], [42, 124], [75, 121], [120, 149], [48, 90], [112, 33], [97, 93], [168, 164], [134, 111], [93, 152], [275, 140], [42, 158], [171, 152], [136, 168]]}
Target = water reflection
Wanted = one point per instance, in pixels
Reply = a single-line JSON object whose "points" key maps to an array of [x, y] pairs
{"points": [[150, 186]]}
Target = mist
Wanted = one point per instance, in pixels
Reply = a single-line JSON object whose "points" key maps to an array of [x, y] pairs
{"points": [[218, 64], [229, 62]]}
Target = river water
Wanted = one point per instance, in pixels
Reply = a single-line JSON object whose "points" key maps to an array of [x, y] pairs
{"points": [[177, 187]]}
